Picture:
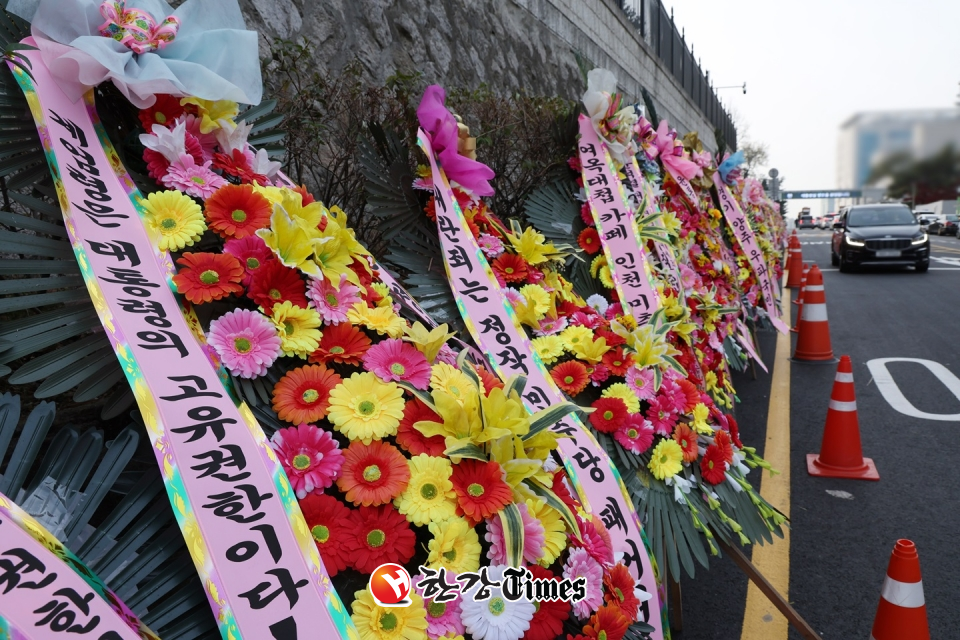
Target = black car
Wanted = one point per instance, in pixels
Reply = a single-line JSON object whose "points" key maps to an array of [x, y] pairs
{"points": [[946, 227], [806, 221], [879, 234]]}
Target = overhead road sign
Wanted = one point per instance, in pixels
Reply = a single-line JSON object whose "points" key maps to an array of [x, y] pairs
{"points": [[814, 195]]}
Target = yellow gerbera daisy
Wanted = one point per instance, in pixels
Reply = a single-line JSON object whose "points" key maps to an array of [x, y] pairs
{"points": [[451, 380], [666, 459], [374, 622], [383, 320], [622, 391], [554, 528], [385, 299], [549, 348], [299, 329], [429, 495], [455, 546], [575, 335], [365, 408], [176, 218]]}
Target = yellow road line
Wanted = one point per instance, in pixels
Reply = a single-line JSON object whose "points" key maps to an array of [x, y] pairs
{"points": [[762, 620]]}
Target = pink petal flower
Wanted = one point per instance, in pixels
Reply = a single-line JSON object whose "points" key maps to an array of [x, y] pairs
{"points": [[533, 538], [310, 457], [246, 341], [395, 360], [447, 623], [580, 564], [635, 434], [192, 179], [640, 382], [252, 252], [332, 304]]}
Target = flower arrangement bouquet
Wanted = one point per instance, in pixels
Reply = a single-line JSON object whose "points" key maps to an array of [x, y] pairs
{"points": [[661, 420], [399, 449]]}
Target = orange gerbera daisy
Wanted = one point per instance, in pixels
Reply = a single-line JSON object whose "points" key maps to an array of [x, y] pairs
{"points": [[618, 361], [208, 276], [411, 439], [589, 240], [687, 440], [511, 267], [608, 623], [570, 376], [490, 381], [303, 395], [373, 474], [237, 211], [343, 343], [480, 488]]}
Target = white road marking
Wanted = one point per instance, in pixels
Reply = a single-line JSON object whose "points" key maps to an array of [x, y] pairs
{"points": [[836, 493], [894, 396], [951, 261]]}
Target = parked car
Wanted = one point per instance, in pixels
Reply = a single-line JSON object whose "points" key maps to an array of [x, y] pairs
{"points": [[806, 222], [826, 222], [879, 234], [926, 217], [947, 226]]}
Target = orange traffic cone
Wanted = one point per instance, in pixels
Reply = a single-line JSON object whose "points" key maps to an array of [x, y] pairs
{"points": [[840, 453], [902, 612], [794, 263], [803, 282], [813, 330]]}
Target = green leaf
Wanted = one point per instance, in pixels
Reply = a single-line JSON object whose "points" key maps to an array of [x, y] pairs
{"points": [[547, 495], [422, 396], [467, 368], [513, 541], [551, 415], [466, 450], [517, 383]]}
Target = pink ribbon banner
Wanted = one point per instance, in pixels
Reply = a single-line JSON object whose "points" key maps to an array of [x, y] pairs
{"points": [[638, 191], [254, 554], [494, 327], [748, 244], [685, 187], [42, 595], [617, 227]]}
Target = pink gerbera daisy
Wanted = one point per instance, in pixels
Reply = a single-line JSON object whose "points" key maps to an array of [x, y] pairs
{"points": [[311, 458], [395, 360], [332, 304], [490, 245], [550, 326], [595, 539], [640, 382], [252, 252], [447, 355], [661, 416], [635, 434], [580, 564], [533, 538], [194, 180], [673, 394], [443, 618], [246, 341]]}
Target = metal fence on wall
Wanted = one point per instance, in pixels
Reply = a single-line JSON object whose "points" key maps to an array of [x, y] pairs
{"points": [[657, 28]]}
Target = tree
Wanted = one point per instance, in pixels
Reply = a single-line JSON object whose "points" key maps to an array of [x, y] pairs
{"points": [[755, 156], [920, 181]]}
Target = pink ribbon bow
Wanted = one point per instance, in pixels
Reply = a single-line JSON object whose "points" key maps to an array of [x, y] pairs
{"points": [[136, 29], [671, 153]]}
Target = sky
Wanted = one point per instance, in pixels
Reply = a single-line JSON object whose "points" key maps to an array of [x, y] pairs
{"points": [[811, 65]]}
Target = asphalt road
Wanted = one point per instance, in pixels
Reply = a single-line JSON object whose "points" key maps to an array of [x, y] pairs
{"points": [[843, 530]]}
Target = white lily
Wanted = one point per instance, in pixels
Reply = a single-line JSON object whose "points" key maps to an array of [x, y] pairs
{"points": [[170, 143]]}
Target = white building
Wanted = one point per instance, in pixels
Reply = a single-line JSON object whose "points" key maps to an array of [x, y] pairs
{"points": [[869, 137]]}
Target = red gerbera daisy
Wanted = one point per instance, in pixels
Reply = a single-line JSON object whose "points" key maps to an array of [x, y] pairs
{"points": [[411, 439], [481, 490], [618, 361], [379, 535], [712, 465], [343, 343], [619, 588], [722, 440], [237, 211], [687, 439], [734, 431], [510, 267], [276, 283], [609, 415], [163, 112], [608, 623], [431, 208], [613, 340], [373, 474], [305, 196], [303, 394], [547, 622], [589, 240], [570, 376], [327, 519], [559, 487], [237, 164], [692, 394], [208, 276], [490, 381]]}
